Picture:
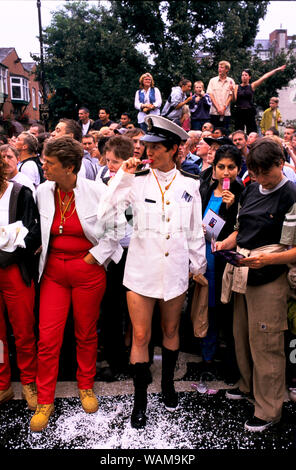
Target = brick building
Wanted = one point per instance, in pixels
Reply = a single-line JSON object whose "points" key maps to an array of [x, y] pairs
{"points": [[279, 40], [20, 94]]}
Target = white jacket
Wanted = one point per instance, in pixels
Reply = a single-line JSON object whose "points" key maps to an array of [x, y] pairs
{"points": [[87, 197], [165, 245]]}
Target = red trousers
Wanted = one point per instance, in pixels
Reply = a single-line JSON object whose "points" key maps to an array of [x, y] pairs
{"points": [[18, 299], [65, 282]]}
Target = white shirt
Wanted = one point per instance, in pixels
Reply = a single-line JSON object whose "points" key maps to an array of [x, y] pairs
{"points": [[31, 170], [4, 205], [167, 240], [85, 128], [157, 103], [220, 90], [176, 97]]}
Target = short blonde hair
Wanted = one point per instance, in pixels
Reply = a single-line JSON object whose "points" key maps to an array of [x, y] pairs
{"points": [[105, 131], [199, 82], [226, 63], [95, 133], [141, 79]]}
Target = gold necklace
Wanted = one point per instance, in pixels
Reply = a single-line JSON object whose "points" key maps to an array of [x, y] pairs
{"points": [[165, 188], [64, 210]]}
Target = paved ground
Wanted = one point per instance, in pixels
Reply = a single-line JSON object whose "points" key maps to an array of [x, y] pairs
{"points": [[206, 426]]}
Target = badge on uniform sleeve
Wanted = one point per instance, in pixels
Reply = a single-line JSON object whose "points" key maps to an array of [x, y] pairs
{"points": [[186, 196]]}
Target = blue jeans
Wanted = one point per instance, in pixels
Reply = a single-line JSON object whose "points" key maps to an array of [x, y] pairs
{"points": [[196, 124]]}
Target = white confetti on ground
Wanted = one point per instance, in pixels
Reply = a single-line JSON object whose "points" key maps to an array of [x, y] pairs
{"points": [[201, 422]]}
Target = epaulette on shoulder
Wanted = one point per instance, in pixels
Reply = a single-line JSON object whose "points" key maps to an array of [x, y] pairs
{"points": [[142, 172], [189, 175]]}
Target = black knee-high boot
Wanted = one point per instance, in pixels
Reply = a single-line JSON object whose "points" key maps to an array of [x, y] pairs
{"points": [[169, 395], [141, 377]]}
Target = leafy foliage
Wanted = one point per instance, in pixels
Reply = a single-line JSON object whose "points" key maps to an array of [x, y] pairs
{"points": [[93, 59], [269, 88], [189, 38], [89, 61]]}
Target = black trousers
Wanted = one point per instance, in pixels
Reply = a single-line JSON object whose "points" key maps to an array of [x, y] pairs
{"points": [[245, 117], [114, 316], [218, 122]]}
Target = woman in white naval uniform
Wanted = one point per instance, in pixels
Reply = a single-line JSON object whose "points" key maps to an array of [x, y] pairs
{"points": [[167, 243]]}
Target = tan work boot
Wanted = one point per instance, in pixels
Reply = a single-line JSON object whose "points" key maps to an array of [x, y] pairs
{"points": [[41, 416], [6, 395], [29, 393], [88, 400]]}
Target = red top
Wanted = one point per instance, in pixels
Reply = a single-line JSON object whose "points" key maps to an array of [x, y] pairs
{"points": [[72, 243]]}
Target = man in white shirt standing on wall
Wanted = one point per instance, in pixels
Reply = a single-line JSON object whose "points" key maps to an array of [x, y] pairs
{"points": [[220, 89]]}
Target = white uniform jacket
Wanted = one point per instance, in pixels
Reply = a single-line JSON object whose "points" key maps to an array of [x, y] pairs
{"points": [[87, 197], [167, 239]]}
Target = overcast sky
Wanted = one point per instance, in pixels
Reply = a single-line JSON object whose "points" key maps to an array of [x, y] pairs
{"points": [[19, 22]]}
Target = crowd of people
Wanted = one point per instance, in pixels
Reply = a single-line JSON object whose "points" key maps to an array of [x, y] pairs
{"points": [[120, 220]]}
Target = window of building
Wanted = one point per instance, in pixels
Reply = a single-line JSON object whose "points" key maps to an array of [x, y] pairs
{"points": [[3, 83], [34, 98], [20, 89]]}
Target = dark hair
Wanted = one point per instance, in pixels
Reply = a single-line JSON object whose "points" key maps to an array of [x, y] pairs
{"points": [[67, 150], [101, 143], [3, 139], [39, 126], [239, 131], [184, 81], [248, 71], [264, 154], [121, 146], [126, 114], [72, 127], [223, 130], [228, 151], [169, 144], [41, 141], [274, 130], [83, 108], [89, 136], [107, 110]]}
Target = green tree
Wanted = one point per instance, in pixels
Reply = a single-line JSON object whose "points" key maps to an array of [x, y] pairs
{"points": [[92, 56], [188, 38], [271, 86], [90, 61]]}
